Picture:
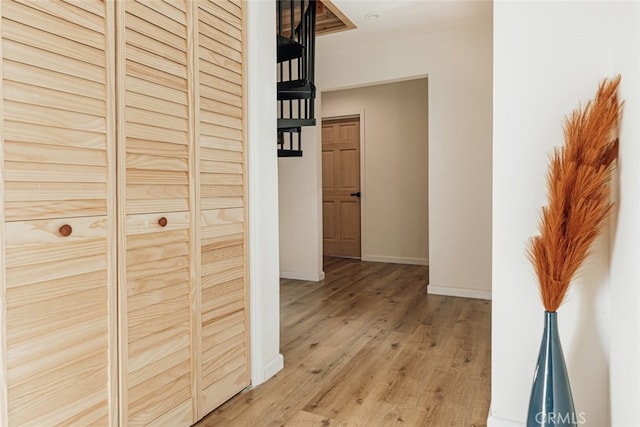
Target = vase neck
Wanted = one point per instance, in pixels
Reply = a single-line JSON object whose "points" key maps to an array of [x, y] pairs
{"points": [[550, 320]]}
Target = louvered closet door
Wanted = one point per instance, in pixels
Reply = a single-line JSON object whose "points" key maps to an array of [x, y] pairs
{"points": [[221, 137], [158, 388], [54, 89], [59, 277], [58, 323]]}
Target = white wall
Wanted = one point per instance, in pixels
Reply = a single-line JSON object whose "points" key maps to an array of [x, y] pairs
{"points": [[548, 57], [458, 65], [264, 283], [625, 236], [394, 167]]}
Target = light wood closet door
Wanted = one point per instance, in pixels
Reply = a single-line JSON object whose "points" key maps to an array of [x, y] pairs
{"points": [[222, 233], [55, 109], [156, 306], [58, 275]]}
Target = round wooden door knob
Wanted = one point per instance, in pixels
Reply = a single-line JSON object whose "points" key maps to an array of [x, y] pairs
{"points": [[162, 222], [65, 230]]}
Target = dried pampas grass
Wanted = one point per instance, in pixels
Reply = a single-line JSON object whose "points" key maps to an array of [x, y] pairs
{"points": [[578, 180]]}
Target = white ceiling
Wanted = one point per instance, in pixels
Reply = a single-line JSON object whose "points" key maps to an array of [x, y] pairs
{"points": [[400, 19]]}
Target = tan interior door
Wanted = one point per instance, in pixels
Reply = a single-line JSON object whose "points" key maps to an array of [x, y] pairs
{"points": [[341, 187]]}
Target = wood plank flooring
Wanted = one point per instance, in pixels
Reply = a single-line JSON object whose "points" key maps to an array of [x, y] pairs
{"points": [[368, 347]]}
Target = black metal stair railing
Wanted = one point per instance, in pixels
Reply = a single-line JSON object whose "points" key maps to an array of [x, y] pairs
{"points": [[296, 21]]}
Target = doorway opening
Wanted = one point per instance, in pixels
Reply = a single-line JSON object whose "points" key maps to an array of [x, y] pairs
{"points": [[388, 167]]}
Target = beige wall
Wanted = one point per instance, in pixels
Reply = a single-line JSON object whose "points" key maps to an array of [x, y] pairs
{"points": [[300, 208], [395, 167]]}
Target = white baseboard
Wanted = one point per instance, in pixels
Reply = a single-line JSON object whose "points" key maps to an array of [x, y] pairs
{"points": [[309, 277], [494, 421], [274, 366], [395, 259], [459, 292]]}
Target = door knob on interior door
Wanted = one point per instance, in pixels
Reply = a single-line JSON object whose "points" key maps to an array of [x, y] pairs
{"points": [[356, 194]]}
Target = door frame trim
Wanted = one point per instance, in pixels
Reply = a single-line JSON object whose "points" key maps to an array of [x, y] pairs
{"points": [[346, 114]]}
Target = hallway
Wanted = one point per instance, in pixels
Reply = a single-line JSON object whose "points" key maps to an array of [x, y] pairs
{"points": [[368, 347]]}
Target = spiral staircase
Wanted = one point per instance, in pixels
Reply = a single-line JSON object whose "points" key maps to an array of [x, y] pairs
{"points": [[296, 31]]}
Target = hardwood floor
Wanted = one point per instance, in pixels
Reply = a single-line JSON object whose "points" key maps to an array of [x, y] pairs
{"points": [[368, 347]]}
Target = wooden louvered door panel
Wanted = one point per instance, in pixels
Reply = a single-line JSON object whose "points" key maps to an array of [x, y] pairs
{"points": [[59, 328], [158, 367], [57, 278], [54, 99], [221, 138], [156, 107], [156, 336]]}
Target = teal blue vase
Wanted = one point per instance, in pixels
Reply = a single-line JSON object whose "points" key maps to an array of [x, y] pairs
{"points": [[551, 403]]}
